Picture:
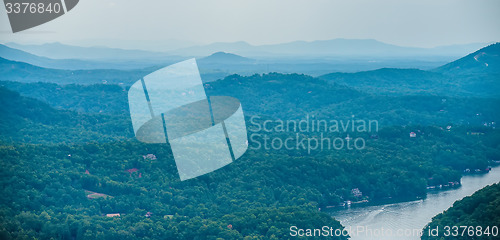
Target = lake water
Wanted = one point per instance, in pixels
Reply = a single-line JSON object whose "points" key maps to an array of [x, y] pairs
{"points": [[404, 220]]}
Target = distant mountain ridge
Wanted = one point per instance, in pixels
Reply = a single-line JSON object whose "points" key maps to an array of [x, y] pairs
{"points": [[22, 56], [483, 61], [63, 51], [225, 58], [312, 58], [14, 54], [323, 48], [24, 72], [477, 74]]}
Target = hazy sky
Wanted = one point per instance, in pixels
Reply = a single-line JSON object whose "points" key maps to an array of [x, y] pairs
{"points": [[421, 23]]}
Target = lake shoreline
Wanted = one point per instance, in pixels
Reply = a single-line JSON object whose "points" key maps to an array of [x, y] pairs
{"points": [[409, 214]]}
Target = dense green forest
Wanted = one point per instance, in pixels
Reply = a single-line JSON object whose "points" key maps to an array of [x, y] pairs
{"points": [[481, 211], [50, 180], [69, 158]]}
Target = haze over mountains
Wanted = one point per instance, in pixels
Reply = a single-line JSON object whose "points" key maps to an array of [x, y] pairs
{"points": [[483, 61], [314, 49], [476, 74], [221, 59], [76, 63], [24, 72], [329, 48], [226, 58], [63, 51]]}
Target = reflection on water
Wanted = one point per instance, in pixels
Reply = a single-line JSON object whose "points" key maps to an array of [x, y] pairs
{"points": [[405, 220]]}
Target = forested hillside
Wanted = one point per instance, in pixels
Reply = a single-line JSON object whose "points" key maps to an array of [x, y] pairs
{"points": [[287, 96], [31, 121], [292, 96], [71, 167]]}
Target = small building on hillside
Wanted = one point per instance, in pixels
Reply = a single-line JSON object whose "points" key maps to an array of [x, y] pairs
{"points": [[149, 157], [132, 170], [112, 215], [356, 192], [413, 134]]}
